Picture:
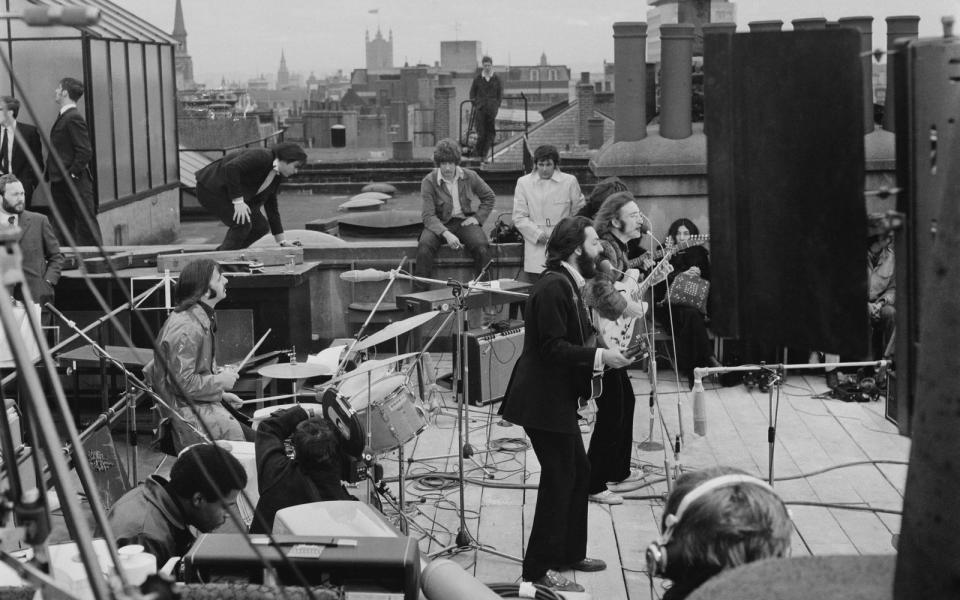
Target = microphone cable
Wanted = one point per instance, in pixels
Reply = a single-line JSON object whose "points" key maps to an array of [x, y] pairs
{"points": [[513, 590]]}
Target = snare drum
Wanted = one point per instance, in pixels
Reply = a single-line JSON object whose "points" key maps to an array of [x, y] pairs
{"points": [[392, 410]]}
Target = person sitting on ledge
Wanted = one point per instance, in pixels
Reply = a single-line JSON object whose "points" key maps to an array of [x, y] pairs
{"points": [[714, 520], [456, 202], [158, 514], [312, 475]]}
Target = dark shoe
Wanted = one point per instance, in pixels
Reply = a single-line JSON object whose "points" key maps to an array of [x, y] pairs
{"points": [[589, 565], [557, 582]]}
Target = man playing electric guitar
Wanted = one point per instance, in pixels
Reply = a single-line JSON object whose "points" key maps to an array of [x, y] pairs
{"points": [[618, 220]]}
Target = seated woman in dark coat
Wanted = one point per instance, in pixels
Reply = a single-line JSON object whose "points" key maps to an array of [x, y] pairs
{"points": [[686, 323]]}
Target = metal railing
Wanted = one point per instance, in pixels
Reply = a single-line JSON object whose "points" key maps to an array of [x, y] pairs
{"points": [[471, 123]]}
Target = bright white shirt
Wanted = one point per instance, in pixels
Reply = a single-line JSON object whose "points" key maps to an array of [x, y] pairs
{"points": [[66, 107], [538, 205]]}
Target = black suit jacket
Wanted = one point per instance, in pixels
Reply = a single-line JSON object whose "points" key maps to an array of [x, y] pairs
{"points": [[556, 365], [42, 259], [240, 174], [19, 161], [70, 139]]}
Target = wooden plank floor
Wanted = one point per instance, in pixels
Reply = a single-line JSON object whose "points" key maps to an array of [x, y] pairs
{"points": [[823, 454]]}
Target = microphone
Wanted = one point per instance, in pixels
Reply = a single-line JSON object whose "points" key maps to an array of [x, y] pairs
{"points": [[358, 276], [79, 16], [699, 408]]}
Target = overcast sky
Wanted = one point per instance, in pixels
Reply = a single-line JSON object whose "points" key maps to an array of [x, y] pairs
{"points": [[239, 39]]}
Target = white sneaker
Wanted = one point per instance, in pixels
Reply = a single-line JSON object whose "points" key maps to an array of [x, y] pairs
{"points": [[635, 475], [605, 497]]}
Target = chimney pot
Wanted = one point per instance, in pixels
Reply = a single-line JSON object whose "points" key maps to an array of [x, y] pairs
{"points": [[675, 96], [630, 74]]}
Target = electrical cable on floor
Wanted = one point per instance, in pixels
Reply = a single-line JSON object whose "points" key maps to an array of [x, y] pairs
{"points": [[512, 590], [855, 507]]}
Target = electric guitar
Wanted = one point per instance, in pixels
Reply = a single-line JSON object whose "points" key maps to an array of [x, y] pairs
{"points": [[693, 240], [623, 333]]}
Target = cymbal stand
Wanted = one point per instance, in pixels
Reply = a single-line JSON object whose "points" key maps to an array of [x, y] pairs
{"points": [[346, 355]]}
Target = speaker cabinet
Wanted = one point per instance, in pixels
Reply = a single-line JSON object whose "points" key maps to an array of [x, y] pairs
{"points": [[785, 163], [927, 112], [490, 359]]}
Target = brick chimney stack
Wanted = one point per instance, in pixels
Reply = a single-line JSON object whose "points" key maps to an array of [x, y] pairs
{"points": [[630, 73], [900, 27], [585, 103], [865, 26], [676, 80]]}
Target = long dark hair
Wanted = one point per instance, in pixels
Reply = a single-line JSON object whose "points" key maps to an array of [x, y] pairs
{"points": [[684, 222], [194, 282], [610, 210], [566, 237]]}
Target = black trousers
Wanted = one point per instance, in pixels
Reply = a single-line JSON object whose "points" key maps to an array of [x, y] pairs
{"points": [[558, 537], [486, 131], [611, 445], [238, 235], [70, 212], [690, 336]]}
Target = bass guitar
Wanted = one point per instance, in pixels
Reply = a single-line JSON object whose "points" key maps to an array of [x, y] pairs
{"points": [[623, 332]]}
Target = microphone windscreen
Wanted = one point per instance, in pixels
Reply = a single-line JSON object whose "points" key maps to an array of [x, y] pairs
{"points": [[365, 275]]}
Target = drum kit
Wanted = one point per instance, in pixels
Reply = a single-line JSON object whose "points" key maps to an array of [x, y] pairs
{"points": [[374, 407]]}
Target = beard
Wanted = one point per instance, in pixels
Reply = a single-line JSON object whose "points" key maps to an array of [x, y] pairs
{"points": [[11, 209], [587, 265]]}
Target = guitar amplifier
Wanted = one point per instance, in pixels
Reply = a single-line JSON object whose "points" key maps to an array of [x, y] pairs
{"points": [[490, 358]]}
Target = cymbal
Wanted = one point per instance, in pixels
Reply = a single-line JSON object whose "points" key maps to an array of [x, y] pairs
{"points": [[395, 329], [293, 371], [370, 365]]}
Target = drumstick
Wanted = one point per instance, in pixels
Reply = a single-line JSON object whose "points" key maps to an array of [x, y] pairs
{"points": [[269, 398], [252, 350]]}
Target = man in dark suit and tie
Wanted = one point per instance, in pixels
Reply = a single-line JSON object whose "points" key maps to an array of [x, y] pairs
{"points": [[552, 374], [42, 259], [70, 140], [19, 141], [236, 186]]}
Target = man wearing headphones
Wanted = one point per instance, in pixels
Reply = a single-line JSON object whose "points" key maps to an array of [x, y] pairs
{"points": [[714, 520]]}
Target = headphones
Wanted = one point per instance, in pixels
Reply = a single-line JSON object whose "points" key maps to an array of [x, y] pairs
{"points": [[656, 552]]}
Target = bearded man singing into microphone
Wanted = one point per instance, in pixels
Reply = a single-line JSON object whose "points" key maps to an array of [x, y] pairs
{"points": [[611, 444], [552, 374]]}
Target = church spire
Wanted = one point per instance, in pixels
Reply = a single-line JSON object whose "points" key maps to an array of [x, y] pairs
{"points": [[179, 29]]}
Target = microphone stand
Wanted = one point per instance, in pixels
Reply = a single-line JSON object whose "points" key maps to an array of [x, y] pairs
{"points": [[777, 371], [464, 539]]}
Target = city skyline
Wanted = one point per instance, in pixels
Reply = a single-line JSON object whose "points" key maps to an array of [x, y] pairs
{"points": [[576, 34]]}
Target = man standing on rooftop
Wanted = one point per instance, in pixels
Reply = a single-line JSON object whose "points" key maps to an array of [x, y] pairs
{"points": [[486, 94]]}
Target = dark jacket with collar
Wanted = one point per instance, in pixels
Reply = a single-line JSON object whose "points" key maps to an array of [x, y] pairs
{"points": [[476, 199], [19, 161], [149, 516], [42, 259], [70, 139], [556, 365], [283, 481], [239, 175]]}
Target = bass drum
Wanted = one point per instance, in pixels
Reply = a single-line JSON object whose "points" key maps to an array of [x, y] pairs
{"points": [[390, 410]]}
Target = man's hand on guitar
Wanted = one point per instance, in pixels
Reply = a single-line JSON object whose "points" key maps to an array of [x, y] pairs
{"points": [[614, 359]]}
